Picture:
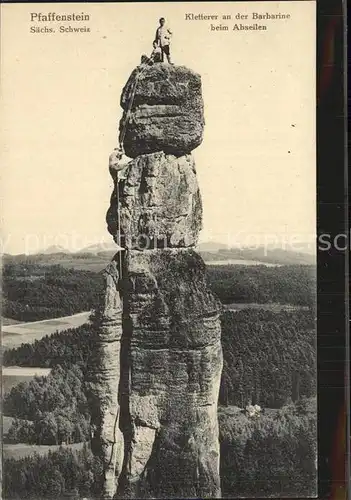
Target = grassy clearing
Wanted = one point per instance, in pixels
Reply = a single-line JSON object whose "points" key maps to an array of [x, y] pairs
{"points": [[239, 262], [18, 451], [9, 321], [24, 333], [13, 375], [274, 307], [6, 424]]}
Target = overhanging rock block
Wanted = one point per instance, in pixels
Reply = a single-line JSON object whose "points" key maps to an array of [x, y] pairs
{"points": [[167, 113]]}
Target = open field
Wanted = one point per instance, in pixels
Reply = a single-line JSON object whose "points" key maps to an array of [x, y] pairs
{"points": [[13, 375], [6, 424], [9, 321], [96, 262], [93, 263], [239, 262], [21, 450], [274, 307], [235, 411], [26, 333]]}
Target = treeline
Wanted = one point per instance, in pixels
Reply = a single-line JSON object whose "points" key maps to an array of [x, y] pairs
{"points": [[53, 409], [273, 455], [267, 254], [32, 292], [269, 358], [62, 474], [286, 284], [72, 346], [49, 410]]}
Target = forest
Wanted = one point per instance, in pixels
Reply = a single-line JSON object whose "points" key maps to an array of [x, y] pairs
{"points": [[53, 409], [269, 359], [293, 284], [269, 254], [60, 475], [49, 410], [33, 292], [66, 348], [270, 456], [257, 346]]}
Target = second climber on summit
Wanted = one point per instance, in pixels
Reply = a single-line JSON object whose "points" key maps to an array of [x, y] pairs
{"points": [[155, 57], [163, 39], [156, 54]]}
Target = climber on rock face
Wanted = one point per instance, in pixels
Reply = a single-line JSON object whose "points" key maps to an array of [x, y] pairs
{"points": [[119, 165], [155, 57], [162, 39], [118, 162]]}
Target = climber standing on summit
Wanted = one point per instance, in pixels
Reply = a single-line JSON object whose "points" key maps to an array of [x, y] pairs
{"points": [[163, 38]]}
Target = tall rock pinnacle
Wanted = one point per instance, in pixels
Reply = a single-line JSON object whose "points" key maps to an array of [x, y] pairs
{"points": [[160, 372]]}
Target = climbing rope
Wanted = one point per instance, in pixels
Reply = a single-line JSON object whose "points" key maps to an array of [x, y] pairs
{"points": [[121, 141], [113, 457], [127, 117], [131, 101]]}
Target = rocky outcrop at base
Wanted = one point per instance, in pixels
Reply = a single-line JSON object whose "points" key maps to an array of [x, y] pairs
{"points": [[104, 382], [172, 322]]}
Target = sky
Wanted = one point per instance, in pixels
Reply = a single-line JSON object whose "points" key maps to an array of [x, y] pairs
{"points": [[60, 110]]}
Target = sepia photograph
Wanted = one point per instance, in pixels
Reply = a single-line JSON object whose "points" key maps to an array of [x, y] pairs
{"points": [[158, 241]]}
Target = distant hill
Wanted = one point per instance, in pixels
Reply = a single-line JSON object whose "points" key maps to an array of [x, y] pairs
{"points": [[54, 249], [261, 254], [99, 247], [211, 246], [78, 261], [96, 257]]}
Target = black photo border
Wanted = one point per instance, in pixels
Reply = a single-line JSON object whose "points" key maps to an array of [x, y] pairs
{"points": [[333, 264]]}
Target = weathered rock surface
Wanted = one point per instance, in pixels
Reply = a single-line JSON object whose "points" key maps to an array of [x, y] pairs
{"points": [[104, 375], [157, 366], [171, 431], [167, 113], [159, 203]]}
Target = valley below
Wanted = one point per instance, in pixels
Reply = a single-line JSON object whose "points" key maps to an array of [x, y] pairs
{"points": [[268, 341]]}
